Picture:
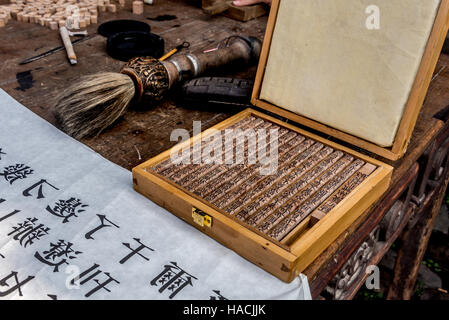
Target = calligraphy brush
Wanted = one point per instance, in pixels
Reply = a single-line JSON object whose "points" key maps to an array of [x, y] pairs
{"points": [[98, 100]]}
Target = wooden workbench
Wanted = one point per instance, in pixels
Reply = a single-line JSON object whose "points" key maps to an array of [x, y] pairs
{"points": [[407, 211]]}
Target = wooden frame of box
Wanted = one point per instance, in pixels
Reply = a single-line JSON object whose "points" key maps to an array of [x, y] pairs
{"points": [[284, 259], [412, 108]]}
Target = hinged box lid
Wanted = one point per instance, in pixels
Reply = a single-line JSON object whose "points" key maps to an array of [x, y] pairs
{"points": [[358, 70]]}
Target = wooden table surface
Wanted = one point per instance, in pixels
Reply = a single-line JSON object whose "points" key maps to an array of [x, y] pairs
{"points": [[145, 132]]}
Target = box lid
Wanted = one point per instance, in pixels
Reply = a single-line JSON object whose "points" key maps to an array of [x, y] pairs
{"points": [[358, 70]]}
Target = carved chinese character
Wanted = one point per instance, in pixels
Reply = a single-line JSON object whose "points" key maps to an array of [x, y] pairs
{"points": [[102, 225], [90, 274], [1, 152], [67, 208], [9, 214], [217, 296], [172, 278], [135, 251], [40, 193], [7, 287], [58, 254], [16, 172], [29, 231]]}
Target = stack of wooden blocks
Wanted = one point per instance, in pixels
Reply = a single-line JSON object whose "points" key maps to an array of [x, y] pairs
{"points": [[74, 14]]}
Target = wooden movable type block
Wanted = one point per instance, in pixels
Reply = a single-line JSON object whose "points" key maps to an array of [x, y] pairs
{"points": [[138, 7]]}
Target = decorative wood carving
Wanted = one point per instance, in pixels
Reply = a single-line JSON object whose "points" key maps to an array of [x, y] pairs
{"points": [[392, 219], [354, 268], [433, 163], [440, 162], [398, 208]]}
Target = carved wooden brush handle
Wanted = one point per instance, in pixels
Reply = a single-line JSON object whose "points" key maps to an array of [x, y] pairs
{"points": [[153, 78]]}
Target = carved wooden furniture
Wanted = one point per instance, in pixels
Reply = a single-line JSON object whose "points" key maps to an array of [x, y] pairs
{"points": [[407, 213], [427, 206], [411, 212], [383, 227]]}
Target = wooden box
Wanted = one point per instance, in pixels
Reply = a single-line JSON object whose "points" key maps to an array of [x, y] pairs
{"points": [[282, 221], [284, 258]]}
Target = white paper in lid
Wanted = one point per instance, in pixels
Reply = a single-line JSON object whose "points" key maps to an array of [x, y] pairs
{"points": [[327, 65]]}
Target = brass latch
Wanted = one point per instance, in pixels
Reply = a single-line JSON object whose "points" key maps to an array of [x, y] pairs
{"points": [[201, 218]]}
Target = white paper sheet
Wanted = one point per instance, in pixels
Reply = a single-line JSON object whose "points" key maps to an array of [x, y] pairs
{"points": [[43, 246]]}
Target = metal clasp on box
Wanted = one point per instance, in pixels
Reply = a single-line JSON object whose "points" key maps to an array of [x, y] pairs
{"points": [[201, 218]]}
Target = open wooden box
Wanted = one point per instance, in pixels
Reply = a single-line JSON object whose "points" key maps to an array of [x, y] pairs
{"points": [[282, 222]]}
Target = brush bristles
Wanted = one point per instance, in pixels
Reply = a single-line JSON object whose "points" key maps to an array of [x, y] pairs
{"points": [[94, 103]]}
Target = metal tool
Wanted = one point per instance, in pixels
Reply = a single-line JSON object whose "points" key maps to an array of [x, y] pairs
{"points": [[50, 52], [183, 45]]}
